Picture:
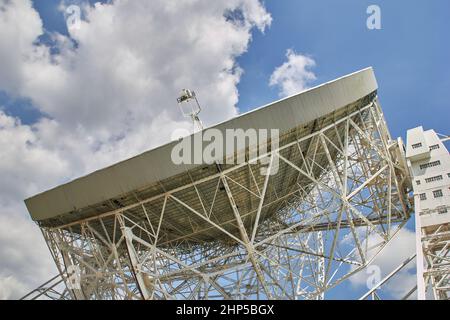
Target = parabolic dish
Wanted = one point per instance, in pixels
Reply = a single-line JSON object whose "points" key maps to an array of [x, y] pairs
{"points": [[139, 185]]}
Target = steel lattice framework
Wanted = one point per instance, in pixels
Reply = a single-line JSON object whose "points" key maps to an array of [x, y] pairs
{"points": [[346, 198], [436, 253]]}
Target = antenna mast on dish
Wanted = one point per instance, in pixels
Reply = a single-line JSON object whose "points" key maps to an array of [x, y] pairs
{"points": [[190, 107]]}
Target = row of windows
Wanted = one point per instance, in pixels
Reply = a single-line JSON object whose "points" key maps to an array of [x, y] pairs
{"points": [[436, 194], [434, 147], [435, 178], [440, 210], [430, 164], [418, 145]]}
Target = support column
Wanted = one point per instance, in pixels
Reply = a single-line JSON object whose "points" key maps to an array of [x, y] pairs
{"points": [[134, 259], [248, 246]]}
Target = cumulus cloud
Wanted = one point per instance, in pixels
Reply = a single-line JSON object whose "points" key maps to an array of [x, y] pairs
{"points": [[25, 167], [105, 93], [10, 287], [25, 258], [133, 58], [294, 75], [401, 247]]}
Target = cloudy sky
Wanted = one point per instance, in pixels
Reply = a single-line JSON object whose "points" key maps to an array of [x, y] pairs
{"points": [[75, 97]]}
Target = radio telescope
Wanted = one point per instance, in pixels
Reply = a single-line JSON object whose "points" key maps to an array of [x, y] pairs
{"points": [[146, 228]]}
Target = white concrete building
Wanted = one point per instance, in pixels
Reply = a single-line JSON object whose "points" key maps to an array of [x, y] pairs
{"points": [[429, 163]]}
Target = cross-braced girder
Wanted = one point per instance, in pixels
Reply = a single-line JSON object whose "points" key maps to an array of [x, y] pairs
{"points": [[436, 253], [338, 197]]}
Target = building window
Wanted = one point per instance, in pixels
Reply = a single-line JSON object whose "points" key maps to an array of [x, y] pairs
{"points": [[430, 164], [423, 196], [434, 147], [442, 210], [435, 178], [417, 145], [437, 193], [448, 174]]}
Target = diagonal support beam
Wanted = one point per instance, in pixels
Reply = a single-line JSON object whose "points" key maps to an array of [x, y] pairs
{"points": [[249, 247]]}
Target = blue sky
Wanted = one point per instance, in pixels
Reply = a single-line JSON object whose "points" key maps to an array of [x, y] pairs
{"points": [[409, 55]]}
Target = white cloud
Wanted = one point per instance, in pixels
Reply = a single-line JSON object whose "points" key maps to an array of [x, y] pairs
{"points": [[110, 96], [10, 287], [294, 75], [132, 60], [25, 259], [401, 247], [19, 27]]}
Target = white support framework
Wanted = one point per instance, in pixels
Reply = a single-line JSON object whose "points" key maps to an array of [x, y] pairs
{"points": [[347, 184], [429, 163]]}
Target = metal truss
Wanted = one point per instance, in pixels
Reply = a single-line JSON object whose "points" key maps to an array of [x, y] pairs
{"points": [[321, 233], [53, 289], [436, 254]]}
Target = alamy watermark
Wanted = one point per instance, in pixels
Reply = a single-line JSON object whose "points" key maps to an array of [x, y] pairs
{"points": [[215, 146], [73, 17], [373, 21], [374, 276]]}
